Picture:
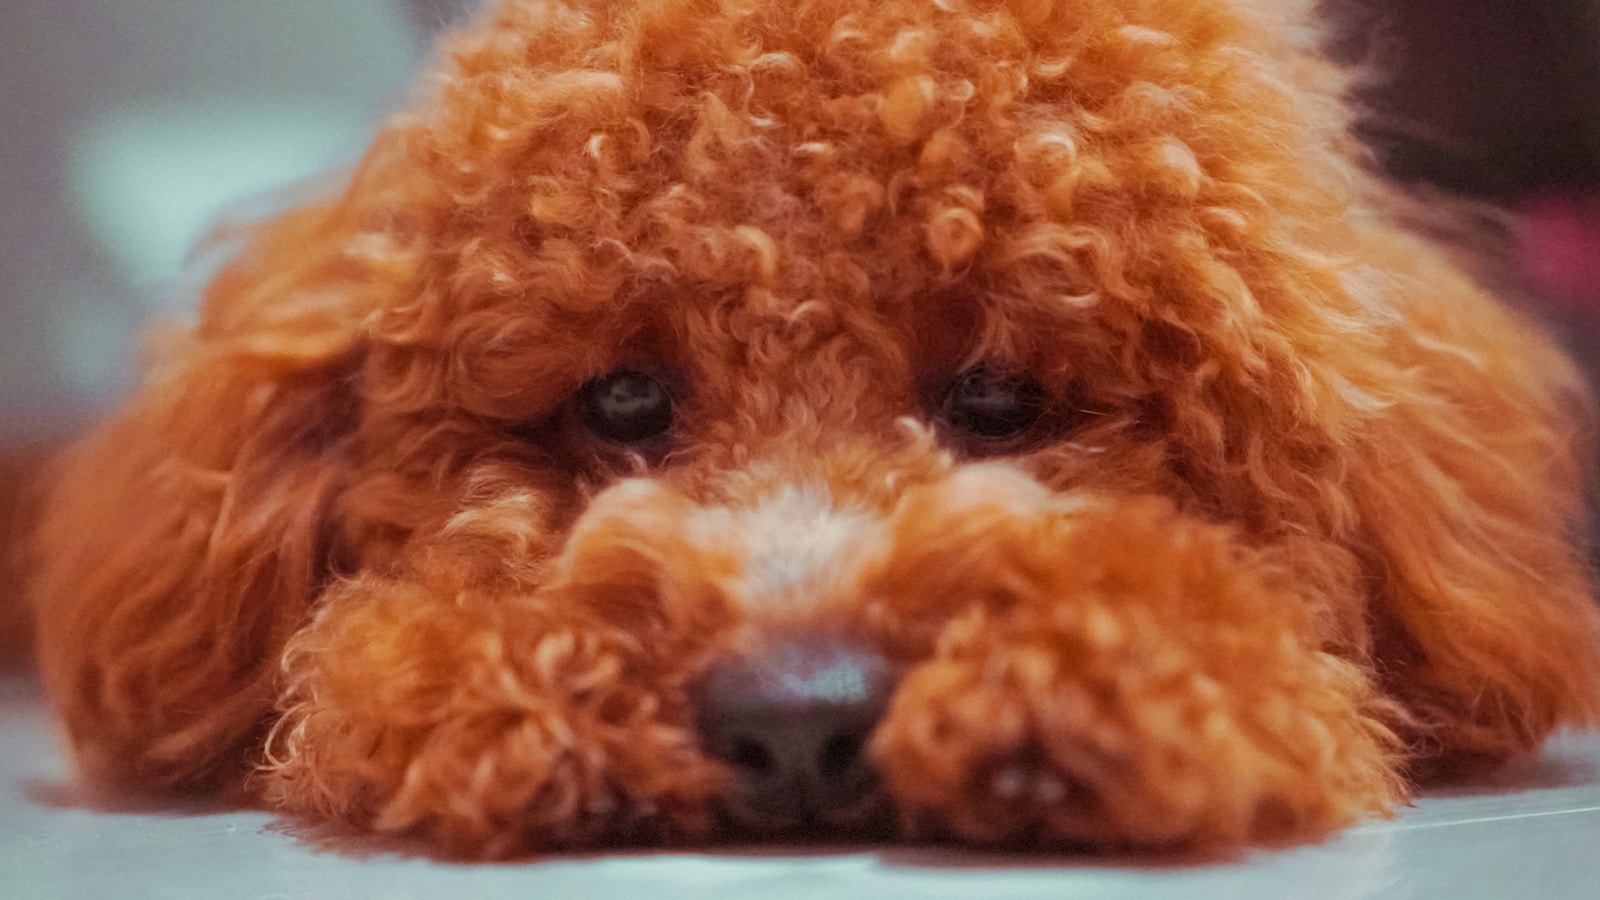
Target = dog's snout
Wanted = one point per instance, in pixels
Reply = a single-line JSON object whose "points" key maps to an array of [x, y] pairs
{"points": [[792, 723]]}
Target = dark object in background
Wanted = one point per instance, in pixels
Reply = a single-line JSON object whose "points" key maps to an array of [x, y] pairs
{"points": [[1482, 97]]}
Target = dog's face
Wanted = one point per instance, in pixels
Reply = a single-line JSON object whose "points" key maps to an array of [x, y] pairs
{"points": [[799, 333], [1004, 420]]}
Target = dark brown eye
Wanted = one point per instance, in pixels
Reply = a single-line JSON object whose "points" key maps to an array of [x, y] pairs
{"points": [[626, 407], [993, 405]]}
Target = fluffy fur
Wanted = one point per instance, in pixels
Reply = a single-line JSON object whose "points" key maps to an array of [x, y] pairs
{"points": [[1300, 524]]}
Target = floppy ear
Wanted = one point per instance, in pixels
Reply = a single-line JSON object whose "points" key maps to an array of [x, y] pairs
{"points": [[181, 543], [1471, 494]]}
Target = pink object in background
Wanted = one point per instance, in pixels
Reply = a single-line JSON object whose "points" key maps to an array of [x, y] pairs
{"points": [[1560, 254]]}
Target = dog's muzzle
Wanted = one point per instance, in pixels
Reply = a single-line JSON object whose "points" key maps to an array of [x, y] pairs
{"points": [[792, 722]]}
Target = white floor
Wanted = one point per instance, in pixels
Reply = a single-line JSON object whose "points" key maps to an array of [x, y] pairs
{"points": [[1532, 833]]}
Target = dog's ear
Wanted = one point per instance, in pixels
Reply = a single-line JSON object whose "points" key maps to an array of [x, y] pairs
{"points": [[1471, 496], [181, 543]]}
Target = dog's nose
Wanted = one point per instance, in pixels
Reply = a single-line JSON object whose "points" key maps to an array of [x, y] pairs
{"points": [[792, 723]]}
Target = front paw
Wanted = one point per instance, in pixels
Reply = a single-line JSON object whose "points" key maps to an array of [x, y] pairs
{"points": [[1114, 719], [483, 732], [985, 756]]}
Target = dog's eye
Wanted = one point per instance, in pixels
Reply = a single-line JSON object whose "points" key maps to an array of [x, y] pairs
{"points": [[626, 407], [993, 405]]}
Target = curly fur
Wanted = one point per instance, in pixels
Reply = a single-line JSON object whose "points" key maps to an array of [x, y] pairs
{"points": [[1300, 528]]}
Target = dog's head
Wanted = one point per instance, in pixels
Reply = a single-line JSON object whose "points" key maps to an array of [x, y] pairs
{"points": [[1011, 374], [748, 304]]}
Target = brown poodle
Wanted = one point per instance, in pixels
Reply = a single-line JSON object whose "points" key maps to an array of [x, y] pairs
{"points": [[1021, 422]]}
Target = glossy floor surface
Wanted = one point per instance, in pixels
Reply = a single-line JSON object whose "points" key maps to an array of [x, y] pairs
{"points": [[1532, 832]]}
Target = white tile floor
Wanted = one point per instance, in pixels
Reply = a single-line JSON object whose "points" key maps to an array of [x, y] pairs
{"points": [[1530, 833]]}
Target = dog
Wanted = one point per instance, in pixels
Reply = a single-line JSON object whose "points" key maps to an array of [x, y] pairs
{"points": [[1021, 423]]}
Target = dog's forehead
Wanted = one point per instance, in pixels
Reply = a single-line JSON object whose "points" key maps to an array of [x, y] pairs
{"points": [[792, 170], [819, 142]]}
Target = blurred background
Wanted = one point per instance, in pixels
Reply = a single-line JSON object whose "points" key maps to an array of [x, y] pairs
{"points": [[128, 125], [125, 127]]}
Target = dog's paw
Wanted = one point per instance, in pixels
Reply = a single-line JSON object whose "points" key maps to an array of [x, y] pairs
{"points": [[1133, 678], [1009, 751], [481, 730]]}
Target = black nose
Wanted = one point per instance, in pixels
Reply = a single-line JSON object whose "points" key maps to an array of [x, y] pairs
{"points": [[792, 723]]}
